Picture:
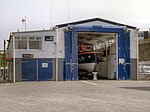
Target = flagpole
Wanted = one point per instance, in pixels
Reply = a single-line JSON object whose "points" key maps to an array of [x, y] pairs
{"points": [[25, 23], [51, 15]]}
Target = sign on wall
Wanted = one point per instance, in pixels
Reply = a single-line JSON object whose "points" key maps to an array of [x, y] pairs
{"points": [[49, 38], [44, 65], [8, 59], [121, 61], [27, 55]]}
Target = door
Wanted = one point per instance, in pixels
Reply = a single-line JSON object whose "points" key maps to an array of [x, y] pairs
{"points": [[29, 70], [45, 70], [127, 50], [124, 56], [68, 55], [71, 55]]}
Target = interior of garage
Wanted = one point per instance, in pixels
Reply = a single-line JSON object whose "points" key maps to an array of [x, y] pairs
{"points": [[89, 45]]}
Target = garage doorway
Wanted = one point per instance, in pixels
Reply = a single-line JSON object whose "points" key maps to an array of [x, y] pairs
{"points": [[117, 37], [97, 53]]}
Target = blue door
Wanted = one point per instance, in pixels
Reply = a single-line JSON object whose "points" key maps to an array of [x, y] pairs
{"points": [[68, 47], [71, 55], [29, 70], [127, 50], [45, 70], [74, 55]]}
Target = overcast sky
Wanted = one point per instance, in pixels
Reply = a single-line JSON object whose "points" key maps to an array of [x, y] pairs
{"points": [[38, 13]]}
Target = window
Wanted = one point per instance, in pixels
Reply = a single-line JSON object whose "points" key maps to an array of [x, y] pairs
{"points": [[139, 35], [28, 43], [142, 34], [35, 43], [20, 42]]}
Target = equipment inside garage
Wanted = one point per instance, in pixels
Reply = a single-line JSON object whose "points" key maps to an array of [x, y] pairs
{"points": [[97, 54]]}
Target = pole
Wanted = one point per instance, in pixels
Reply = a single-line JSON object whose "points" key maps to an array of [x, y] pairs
{"points": [[25, 23], [4, 60], [51, 15], [68, 11], [14, 68], [56, 57]]}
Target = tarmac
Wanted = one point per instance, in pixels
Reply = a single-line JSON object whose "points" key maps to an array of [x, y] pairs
{"points": [[75, 96]]}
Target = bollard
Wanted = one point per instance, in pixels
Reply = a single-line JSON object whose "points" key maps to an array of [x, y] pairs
{"points": [[94, 75]]}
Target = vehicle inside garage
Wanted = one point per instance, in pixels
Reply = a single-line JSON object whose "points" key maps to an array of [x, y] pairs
{"points": [[97, 54]]}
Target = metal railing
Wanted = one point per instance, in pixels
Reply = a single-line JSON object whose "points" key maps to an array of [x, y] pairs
{"points": [[144, 67]]}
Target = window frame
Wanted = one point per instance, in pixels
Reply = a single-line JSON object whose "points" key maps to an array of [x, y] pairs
{"points": [[35, 39]]}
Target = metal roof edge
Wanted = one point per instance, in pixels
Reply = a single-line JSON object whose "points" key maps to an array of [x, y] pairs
{"points": [[94, 19], [32, 31]]}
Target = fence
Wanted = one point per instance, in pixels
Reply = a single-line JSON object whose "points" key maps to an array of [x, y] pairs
{"points": [[144, 70]]}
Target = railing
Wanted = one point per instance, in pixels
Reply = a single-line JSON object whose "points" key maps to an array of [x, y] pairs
{"points": [[144, 67]]}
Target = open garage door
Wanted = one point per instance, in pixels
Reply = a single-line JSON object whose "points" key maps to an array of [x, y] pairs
{"points": [[122, 49]]}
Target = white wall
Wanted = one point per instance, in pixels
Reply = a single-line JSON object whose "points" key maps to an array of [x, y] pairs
{"points": [[48, 47], [60, 42], [133, 44], [95, 23]]}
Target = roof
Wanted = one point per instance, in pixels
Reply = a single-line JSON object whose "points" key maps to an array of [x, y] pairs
{"points": [[33, 31], [95, 19]]}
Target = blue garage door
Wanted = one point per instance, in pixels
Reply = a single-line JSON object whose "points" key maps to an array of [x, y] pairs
{"points": [[29, 70], [45, 70]]}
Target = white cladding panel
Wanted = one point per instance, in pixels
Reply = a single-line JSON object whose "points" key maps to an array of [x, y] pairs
{"points": [[48, 47], [134, 44], [60, 42], [95, 23]]}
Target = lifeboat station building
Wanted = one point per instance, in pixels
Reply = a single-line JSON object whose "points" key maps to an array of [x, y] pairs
{"points": [[53, 55]]}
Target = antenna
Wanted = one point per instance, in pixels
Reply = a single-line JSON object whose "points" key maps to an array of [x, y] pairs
{"points": [[68, 11], [51, 15]]}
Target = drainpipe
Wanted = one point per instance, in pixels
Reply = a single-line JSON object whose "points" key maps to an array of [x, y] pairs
{"points": [[137, 42], [4, 60], [14, 68], [56, 57]]}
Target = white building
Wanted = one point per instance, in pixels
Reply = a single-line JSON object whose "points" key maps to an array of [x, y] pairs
{"points": [[53, 54]]}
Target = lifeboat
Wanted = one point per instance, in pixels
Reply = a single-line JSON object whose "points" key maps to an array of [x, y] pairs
{"points": [[88, 60]]}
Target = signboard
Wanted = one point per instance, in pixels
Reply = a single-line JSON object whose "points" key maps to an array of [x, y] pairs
{"points": [[8, 59], [49, 38], [44, 65], [27, 55], [121, 61]]}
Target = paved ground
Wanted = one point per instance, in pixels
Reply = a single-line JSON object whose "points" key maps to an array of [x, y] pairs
{"points": [[76, 96]]}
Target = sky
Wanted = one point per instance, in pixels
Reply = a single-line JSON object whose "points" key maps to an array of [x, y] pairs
{"points": [[46, 13]]}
